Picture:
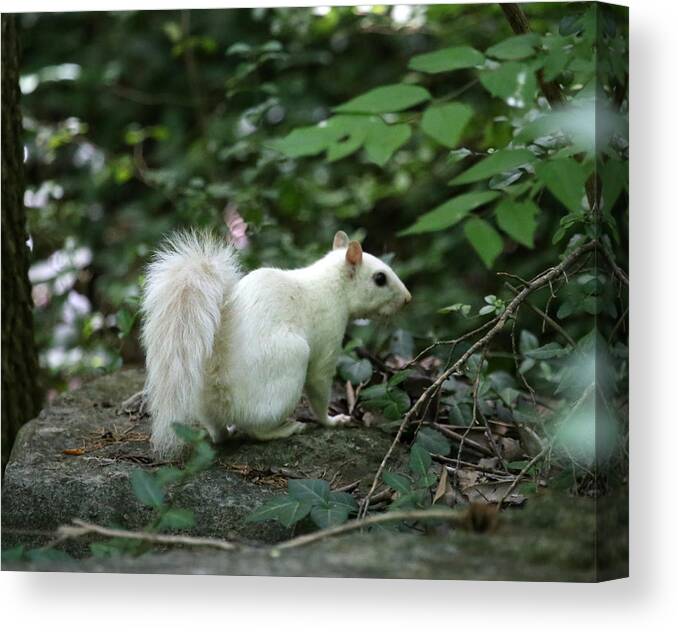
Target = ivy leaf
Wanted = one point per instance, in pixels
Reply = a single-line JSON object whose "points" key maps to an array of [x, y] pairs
{"points": [[433, 441], [565, 178], [188, 434], [392, 98], [310, 491], [498, 162], [147, 489], [168, 475], [485, 240], [398, 482], [202, 457], [401, 344], [176, 518], [447, 59], [517, 219], [329, 515], [284, 509], [354, 371], [420, 461], [344, 499], [449, 213], [383, 141], [445, 123], [516, 47], [392, 402]]}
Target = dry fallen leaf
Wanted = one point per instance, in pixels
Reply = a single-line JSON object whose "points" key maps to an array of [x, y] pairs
{"points": [[441, 490], [74, 451]]}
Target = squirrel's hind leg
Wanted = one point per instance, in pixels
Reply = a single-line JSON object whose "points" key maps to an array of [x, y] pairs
{"points": [[318, 388]]}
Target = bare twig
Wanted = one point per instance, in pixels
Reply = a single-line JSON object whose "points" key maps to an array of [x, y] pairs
{"points": [[546, 318], [537, 282], [447, 515], [618, 272], [80, 528], [522, 473], [453, 343]]}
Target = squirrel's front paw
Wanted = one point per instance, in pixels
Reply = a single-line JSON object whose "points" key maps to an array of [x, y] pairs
{"points": [[338, 420]]}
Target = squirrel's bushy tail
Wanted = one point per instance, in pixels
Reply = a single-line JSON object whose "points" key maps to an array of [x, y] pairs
{"points": [[185, 287]]}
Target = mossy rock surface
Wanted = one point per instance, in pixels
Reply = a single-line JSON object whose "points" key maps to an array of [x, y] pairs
{"points": [[75, 459]]}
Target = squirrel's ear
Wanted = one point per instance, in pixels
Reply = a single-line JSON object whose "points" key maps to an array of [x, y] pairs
{"points": [[340, 240], [354, 253]]}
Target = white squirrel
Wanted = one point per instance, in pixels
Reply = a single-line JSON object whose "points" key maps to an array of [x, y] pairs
{"points": [[225, 350]]}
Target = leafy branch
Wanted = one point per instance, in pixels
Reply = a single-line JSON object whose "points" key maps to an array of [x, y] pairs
{"points": [[536, 283]]}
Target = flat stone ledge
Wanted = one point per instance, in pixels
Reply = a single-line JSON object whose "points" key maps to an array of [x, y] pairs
{"points": [[74, 461]]}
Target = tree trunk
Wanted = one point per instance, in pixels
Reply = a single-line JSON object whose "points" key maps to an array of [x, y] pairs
{"points": [[21, 394]]}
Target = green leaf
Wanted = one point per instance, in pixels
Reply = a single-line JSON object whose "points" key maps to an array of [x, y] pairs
{"points": [[547, 352], [528, 341], [147, 489], [449, 213], [485, 240], [517, 219], [354, 371], [456, 307], [517, 465], [188, 434], [285, 509], [344, 499], [447, 59], [392, 402], [102, 550], [305, 141], [420, 461], [565, 178], [398, 378], [125, 321], [398, 482], [47, 555], [445, 123], [614, 175], [168, 475], [516, 47], [310, 491], [513, 82], [347, 134], [383, 141], [392, 98], [433, 441], [498, 162], [14, 554], [401, 344], [329, 515], [177, 519], [201, 458], [378, 391]]}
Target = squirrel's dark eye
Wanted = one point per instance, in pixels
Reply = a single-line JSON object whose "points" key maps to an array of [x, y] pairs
{"points": [[380, 279]]}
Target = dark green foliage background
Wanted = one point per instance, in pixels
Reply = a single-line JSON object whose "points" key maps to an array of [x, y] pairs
{"points": [[162, 119]]}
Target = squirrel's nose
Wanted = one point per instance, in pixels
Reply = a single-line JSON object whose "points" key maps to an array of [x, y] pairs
{"points": [[408, 297]]}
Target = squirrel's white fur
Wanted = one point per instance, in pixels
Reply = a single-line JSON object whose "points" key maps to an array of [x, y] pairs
{"points": [[227, 350]]}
